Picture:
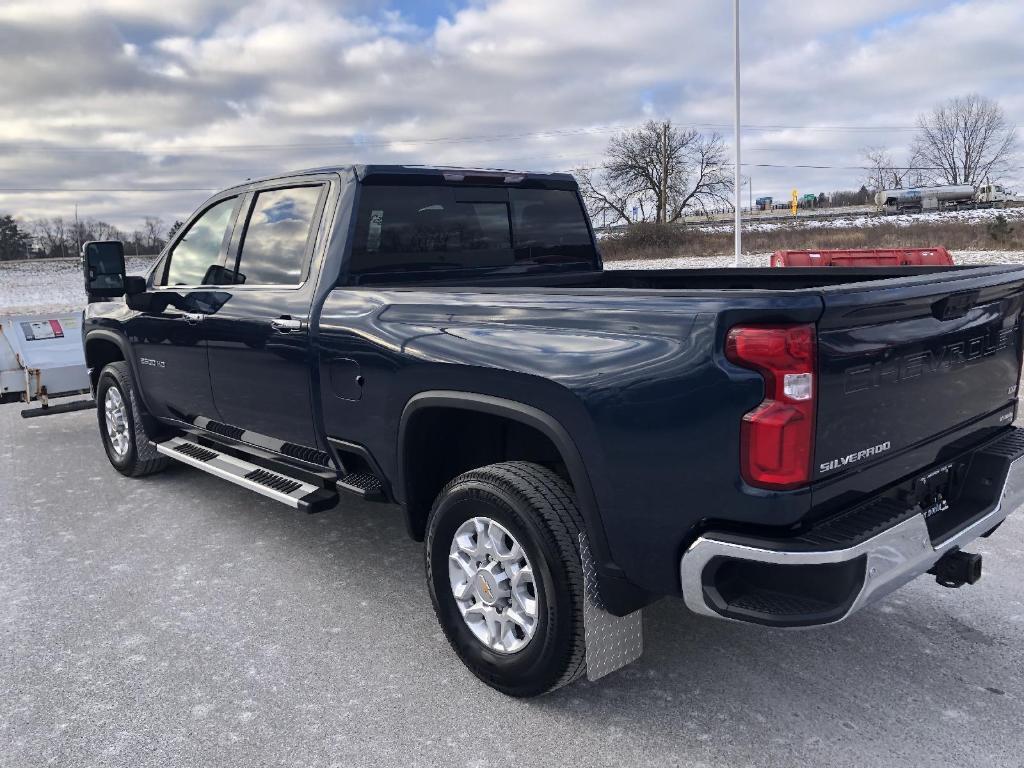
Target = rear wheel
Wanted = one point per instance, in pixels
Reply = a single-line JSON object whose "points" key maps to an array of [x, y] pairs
{"points": [[504, 573], [120, 418]]}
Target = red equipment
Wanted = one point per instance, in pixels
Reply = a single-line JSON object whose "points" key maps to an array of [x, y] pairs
{"points": [[867, 257]]}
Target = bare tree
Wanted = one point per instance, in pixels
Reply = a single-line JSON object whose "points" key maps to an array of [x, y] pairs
{"points": [[884, 173], [965, 140], [153, 229], [101, 230], [136, 241], [656, 173], [52, 236]]}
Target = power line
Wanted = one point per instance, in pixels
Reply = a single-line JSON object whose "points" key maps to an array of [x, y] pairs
{"points": [[812, 128], [582, 167], [17, 190], [360, 144], [348, 144], [803, 166], [808, 166]]}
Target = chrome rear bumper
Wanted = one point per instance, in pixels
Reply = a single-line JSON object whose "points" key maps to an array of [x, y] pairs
{"points": [[890, 559]]}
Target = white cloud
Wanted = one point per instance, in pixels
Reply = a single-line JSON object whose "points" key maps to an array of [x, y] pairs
{"points": [[180, 13], [170, 85]]}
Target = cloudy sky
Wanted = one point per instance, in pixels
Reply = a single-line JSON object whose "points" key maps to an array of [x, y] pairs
{"points": [[188, 96]]}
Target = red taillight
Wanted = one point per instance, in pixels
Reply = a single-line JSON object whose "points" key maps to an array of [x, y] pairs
{"points": [[777, 437]]}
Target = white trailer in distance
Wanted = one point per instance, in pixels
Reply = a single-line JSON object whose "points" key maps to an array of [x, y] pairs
{"points": [[946, 197]]}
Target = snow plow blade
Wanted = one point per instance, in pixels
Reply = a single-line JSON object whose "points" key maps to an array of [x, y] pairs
{"points": [[866, 257], [53, 410]]}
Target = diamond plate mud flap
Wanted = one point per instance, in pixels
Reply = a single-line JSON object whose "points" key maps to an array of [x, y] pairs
{"points": [[612, 641]]}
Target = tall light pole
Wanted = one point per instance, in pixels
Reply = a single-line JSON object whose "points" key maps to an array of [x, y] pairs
{"points": [[736, 127]]}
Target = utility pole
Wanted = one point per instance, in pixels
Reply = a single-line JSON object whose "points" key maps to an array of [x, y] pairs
{"points": [[736, 138], [78, 230], [664, 172]]}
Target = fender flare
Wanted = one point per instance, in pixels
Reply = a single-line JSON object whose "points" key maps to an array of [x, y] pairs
{"points": [[547, 425], [117, 339], [150, 422]]}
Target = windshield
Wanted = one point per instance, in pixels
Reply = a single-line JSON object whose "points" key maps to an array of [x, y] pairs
{"points": [[421, 228]]}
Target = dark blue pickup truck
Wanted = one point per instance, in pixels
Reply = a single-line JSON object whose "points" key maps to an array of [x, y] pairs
{"points": [[780, 447]]}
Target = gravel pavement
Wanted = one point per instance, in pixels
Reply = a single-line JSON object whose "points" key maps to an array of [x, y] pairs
{"points": [[180, 621]]}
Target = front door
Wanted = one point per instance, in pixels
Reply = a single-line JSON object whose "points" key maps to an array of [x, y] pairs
{"points": [[169, 340], [260, 356]]}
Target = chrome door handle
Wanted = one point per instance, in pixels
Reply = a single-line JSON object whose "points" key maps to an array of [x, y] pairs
{"points": [[194, 317], [287, 325]]}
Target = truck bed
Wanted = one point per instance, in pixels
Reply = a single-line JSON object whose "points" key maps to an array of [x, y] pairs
{"points": [[758, 278], [638, 366], [905, 353]]}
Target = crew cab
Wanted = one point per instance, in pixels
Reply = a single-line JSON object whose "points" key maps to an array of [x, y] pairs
{"points": [[779, 447]]}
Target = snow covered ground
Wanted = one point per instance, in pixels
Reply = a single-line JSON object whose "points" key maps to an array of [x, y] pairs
{"points": [[45, 284], [57, 283], [861, 220]]}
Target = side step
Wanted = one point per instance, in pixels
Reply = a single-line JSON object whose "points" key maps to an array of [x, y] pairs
{"points": [[275, 485], [321, 477], [362, 484]]}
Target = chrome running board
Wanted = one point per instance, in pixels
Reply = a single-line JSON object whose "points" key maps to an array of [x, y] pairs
{"points": [[272, 484]]}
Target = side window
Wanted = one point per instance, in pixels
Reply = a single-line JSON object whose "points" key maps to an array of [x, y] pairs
{"points": [[277, 235], [200, 248]]}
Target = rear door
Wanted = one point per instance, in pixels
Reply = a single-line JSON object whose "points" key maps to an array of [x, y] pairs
{"points": [[260, 362], [901, 362]]}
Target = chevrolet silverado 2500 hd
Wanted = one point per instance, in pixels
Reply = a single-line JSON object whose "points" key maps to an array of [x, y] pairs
{"points": [[780, 447]]}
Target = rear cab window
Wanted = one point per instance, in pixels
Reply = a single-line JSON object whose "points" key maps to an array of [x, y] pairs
{"points": [[413, 229]]}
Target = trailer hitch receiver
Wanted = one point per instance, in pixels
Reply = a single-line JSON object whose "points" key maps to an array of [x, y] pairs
{"points": [[956, 568]]}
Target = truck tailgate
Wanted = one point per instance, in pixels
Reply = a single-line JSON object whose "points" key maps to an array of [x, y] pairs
{"points": [[902, 361]]}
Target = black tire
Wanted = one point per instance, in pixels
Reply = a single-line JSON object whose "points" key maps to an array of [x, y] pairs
{"points": [[141, 458], [539, 509]]}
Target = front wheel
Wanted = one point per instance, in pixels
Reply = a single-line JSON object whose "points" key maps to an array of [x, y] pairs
{"points": [[120, 418], [504, 573]]}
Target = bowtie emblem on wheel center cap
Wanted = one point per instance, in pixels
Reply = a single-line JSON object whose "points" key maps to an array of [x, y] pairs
{"points": [[487, 587]]}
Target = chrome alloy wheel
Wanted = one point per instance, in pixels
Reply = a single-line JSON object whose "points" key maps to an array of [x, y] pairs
{"points": [[117, 422], [492, 581]]}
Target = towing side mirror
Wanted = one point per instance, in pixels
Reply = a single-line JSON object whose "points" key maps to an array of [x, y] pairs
{"points": [[103, 266]]}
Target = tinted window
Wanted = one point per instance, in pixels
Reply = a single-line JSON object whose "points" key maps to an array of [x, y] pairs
{"points": [[549, 225], [274, 243], [419, 228], [200, 248]]}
